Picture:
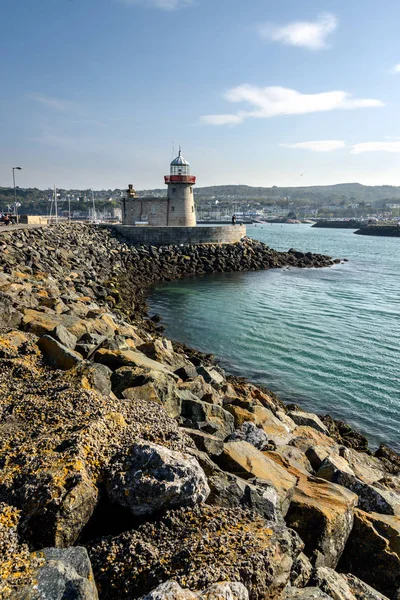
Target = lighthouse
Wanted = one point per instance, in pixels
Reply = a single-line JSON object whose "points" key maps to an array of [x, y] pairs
{"points": [[180, 198]]}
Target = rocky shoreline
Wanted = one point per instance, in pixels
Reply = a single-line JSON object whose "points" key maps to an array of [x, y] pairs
{"points": [[133, 467]]}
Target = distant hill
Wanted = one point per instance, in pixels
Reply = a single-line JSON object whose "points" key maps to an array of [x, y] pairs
{"points": [[314, 194], [34, 200]]}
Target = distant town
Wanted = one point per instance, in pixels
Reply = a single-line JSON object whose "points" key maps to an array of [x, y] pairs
{"points": [[218, 203]]}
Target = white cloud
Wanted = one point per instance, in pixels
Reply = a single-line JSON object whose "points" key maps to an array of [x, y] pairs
{"points": [[56, 103], [222, 119], [317, 146], [273, 101], [396, 69], [376, 147], [306, 34], [163, 4]]}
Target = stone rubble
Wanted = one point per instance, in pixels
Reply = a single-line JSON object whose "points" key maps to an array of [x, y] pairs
{"points": [[180, 482]]}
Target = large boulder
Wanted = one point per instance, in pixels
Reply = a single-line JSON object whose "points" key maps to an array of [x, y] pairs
{"points": [[244, 460], [344, 587], [197, 547], [151, 477], [41, 323], [230, 491], [57, 355], [371, 498], [205, 442], [372, 552], [171, 590], [322, 513], [307, 419], [56, 441], [210, 418]]}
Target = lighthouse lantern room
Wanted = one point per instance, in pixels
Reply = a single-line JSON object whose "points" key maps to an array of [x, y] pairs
{"points": [[180, 198]]}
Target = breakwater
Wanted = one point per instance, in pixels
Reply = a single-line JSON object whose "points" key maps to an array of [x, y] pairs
{"points": [[141, 459], [352, 224], [380, 230]]}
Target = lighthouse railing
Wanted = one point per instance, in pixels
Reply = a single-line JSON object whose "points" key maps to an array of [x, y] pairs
{"points": [[180, 179]]}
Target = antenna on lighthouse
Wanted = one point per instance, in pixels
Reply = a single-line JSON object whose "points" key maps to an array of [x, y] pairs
{"points": [[173, 151]]}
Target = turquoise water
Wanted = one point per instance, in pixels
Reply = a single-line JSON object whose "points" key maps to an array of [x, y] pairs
{"points": [[327, 339]]}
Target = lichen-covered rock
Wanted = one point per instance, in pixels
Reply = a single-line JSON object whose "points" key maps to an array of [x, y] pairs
{"points": [[149, 478], [373, 551], [17, 567], [171, 590], [197, 547], [250, 433], [57, 439]]}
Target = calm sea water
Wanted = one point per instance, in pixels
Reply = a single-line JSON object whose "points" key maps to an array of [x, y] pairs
{"points": [[327, 339]]}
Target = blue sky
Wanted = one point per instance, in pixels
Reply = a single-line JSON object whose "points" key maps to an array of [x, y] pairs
{"points": [[296, 92]]}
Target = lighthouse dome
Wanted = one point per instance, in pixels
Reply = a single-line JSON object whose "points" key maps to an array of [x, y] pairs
{"points": [[179, 161]]}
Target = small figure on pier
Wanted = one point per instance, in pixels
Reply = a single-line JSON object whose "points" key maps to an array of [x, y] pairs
{"points": [[233, 219]]}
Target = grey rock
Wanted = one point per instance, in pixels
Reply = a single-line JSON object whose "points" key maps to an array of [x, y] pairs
{"points": [[210, 418], [85, 349], [371, 498], [308, 420], [187, 372], [96, 376], [152, 477], [10, 317], [57, 355], [211, 375], [65, 574], [301, 571], [205, 442], [227, 590], [230, 491], [65, 337], [249, 432], [344, 587], [362, 591]]}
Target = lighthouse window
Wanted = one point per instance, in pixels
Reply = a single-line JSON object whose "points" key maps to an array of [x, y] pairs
{"points": [[173, 190], [192, 208], [191, 190], [173, 208]]}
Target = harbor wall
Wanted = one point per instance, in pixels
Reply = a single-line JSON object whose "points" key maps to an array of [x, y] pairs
{"points": [[165, 236]]}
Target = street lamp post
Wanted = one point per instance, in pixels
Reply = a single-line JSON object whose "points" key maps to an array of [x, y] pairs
{"points": [[15, 190]]}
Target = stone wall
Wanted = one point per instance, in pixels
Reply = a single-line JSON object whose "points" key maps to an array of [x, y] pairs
{"points": [[165, 236], [152, 210]]}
